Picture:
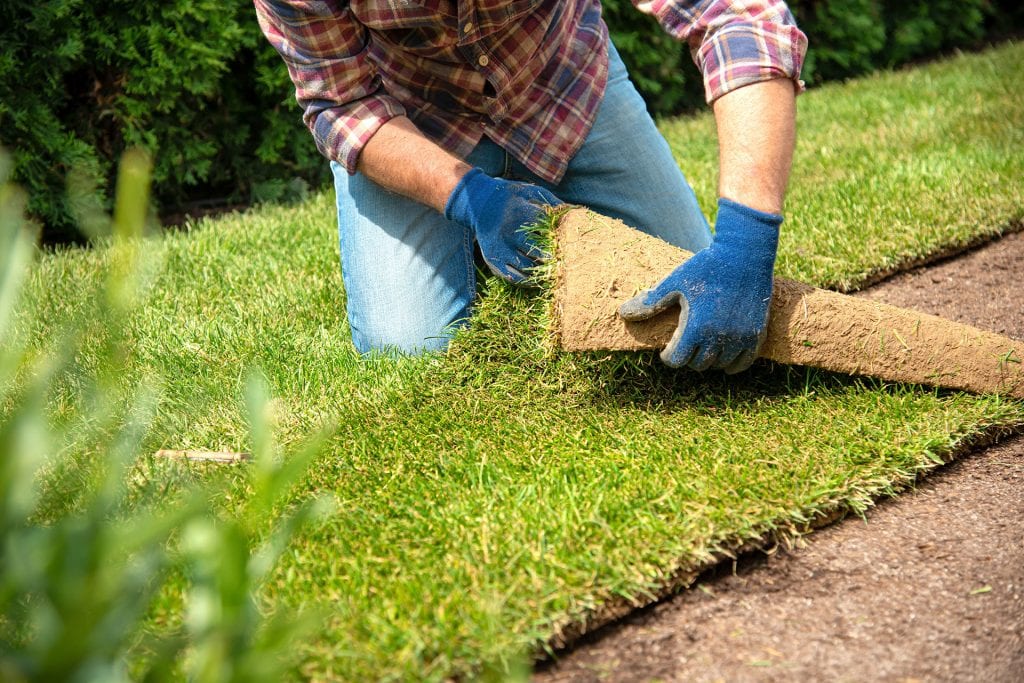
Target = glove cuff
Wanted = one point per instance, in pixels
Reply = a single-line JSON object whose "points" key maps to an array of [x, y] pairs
{"points": [[773, 219], [740, 225], [474, 186]]}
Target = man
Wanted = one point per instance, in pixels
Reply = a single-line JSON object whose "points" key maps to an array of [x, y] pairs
{"points": [[451, 123]]}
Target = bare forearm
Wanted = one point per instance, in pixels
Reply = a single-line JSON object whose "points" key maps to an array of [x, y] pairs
{"points": [[400, 158], [756, 134]]}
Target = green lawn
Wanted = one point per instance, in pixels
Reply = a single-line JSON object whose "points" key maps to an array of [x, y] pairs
{"points": [[490, 498]]}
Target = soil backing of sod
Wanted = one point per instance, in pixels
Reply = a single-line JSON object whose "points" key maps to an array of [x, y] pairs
{"points": [[601, 263]]}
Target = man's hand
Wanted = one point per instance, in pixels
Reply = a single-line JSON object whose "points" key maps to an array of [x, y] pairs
{"points": [[725, 290], [498, 211], [723, 293], [400, 158]]}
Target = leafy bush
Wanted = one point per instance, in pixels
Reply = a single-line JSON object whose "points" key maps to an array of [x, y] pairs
{"points": [[82, 562], [844, 38], [854, 37], [190, 80], [195, 83]]}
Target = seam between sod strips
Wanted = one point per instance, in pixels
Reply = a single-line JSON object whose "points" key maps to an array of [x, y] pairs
{"points": [[568, 634]]}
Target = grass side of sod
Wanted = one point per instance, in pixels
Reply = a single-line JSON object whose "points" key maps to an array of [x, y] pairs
{"points": [[490, 498]]}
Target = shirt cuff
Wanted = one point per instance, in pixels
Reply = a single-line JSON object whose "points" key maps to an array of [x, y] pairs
{"points": [[745, 53], [341, 132]]}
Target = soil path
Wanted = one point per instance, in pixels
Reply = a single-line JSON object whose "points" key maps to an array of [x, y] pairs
{"points": [[930, 587]]}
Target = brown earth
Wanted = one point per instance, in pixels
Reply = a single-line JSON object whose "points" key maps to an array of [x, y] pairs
{"points": [[929, 587], [602, 263]]}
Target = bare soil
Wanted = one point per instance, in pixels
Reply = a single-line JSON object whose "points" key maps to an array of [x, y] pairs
{"points": [[929, 587]]}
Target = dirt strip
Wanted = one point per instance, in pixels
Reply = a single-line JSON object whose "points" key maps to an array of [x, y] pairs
{"points": [[929, 587]]}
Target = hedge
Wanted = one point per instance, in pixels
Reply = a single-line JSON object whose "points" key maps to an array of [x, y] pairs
{"points": [[847, 38], [190, 80], [194, 82]]}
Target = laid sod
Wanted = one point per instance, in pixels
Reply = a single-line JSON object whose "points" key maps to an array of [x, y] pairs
{"points": [[496, 498]]}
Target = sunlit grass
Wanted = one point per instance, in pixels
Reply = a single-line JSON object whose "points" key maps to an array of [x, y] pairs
{"points": [[490, 497]]}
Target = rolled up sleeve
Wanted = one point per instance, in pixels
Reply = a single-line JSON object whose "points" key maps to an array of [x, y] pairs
{"points": [[325, 50], [734, 43]]}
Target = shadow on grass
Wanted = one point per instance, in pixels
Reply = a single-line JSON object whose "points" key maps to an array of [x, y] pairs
{"points": [[509, 347]]}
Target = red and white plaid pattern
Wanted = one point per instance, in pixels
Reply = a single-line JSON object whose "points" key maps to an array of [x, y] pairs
{"points": [[734, 43], [529, 74]]}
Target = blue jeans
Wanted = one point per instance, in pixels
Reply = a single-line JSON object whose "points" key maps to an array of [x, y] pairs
{"points": [[409, 273]]}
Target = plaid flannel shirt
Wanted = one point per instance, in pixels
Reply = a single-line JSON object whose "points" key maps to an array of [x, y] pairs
{"points": [[528, 74]]}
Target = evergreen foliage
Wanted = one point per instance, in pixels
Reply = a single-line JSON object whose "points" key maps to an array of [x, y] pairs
{"points": [[195, 83], [189, 80]]}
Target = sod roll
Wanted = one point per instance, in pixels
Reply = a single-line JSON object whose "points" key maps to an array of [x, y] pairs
{"points": [[602, 263]]}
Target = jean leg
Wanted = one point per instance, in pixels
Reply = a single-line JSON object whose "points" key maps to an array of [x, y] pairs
{"points": [[626, 170], [409, 273]]}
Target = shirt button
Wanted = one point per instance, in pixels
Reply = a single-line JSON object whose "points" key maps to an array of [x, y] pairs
{"points": [[468, 27], [484, 60]]}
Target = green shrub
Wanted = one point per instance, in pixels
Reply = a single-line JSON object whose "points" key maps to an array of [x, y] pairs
{"points": [[195, 83], [854, 37], [845, 38], [190, 80]]}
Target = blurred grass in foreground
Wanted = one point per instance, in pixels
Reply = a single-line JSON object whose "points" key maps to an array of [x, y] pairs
{"points": [[80, 564]]}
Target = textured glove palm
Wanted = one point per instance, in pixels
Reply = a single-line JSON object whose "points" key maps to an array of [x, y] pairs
{"points": [[723, 292], [497, 210]]}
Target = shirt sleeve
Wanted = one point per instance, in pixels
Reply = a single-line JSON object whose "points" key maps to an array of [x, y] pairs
{"points": [[734, 43], [325, 50]]}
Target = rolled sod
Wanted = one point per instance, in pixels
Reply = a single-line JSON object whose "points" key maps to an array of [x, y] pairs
{"points": [[601, 263]]}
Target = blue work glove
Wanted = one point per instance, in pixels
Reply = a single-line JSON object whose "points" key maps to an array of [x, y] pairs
{"points": [[497, 210], [723, 292]]}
